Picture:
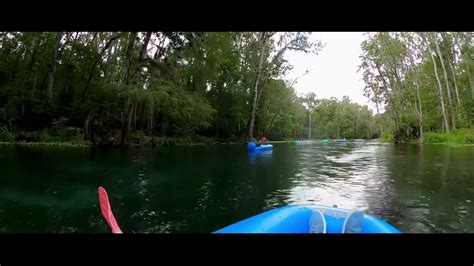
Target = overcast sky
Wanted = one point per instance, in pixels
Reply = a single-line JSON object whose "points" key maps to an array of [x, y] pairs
{"points": [[333, 70]]}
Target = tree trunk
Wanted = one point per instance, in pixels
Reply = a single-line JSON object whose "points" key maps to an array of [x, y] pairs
{"points": [[126, 128], [145, 45], [94, 37], [257, 126], [52, 68], [392, 111], [418, 108], [377, 105], [378, 112], [356, 125], [254, 104], [126, 81], [445, 118], [150, 125], [128, 56], [419, 112], [455, 83], [34, 82], [309, 128], [94, 65], [395, 95], [133, 110], [446, 81], [238, 122], [422, 137], [160, 128], [458, 105], [135, 117], [471, 84], [87, 131], [270, 124], [141, 58], [32, 62], [451, 61]]}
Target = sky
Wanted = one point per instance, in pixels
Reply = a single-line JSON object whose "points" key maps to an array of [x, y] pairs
{"points": [[333, 71]]}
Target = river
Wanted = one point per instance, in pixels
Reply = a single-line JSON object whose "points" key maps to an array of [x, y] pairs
{"points": [[199, 189]]}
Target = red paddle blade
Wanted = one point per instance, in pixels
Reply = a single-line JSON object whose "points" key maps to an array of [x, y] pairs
{"points": [[107, 211]]}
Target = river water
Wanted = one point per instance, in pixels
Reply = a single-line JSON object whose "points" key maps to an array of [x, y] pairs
{"points": [[199, 189]]}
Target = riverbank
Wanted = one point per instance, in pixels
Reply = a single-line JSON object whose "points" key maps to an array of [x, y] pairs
{"points": [[432, 139], [143, 142], [135, 141], [459, 137], [47, 144]]}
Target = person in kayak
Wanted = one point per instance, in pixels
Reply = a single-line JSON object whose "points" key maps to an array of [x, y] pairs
{"points": [[352, 223], [257, 142]]}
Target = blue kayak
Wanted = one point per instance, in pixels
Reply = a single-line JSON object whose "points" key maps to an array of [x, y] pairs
{"points": [[296, 219], [252, 147]]}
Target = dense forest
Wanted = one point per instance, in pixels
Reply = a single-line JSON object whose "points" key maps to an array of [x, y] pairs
{"points": [[423, 81], [120, 88]]}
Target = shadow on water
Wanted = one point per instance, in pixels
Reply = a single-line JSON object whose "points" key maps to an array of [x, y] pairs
{"points": [[435, 190]]}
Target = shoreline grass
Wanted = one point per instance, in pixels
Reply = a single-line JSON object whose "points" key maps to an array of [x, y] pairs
{"points": [[458, 138]]}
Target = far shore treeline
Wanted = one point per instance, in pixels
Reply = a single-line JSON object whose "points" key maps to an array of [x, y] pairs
{"points": [[161, 88]]}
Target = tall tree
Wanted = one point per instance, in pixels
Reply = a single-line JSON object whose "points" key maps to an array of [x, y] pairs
{"points": [[262, 42], [453, 120], [443, 109], [52, 66], [310, 103]]}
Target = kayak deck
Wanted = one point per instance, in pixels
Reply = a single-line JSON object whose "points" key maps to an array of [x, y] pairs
{"points": [[295, 219]]}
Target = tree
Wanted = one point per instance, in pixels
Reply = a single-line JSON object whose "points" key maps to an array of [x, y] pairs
{"points": [[435, 40], [262, 43], [270, 67], [310, 103], [445, 117], [401, 72]]}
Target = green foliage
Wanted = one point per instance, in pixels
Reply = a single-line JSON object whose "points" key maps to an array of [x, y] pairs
{"points": [[462, 136], [5, 135], [387, 137], [119, 88], [165, 142], [400, 71], [343, 119], [59, 128], [44, 136], [139, 137]]}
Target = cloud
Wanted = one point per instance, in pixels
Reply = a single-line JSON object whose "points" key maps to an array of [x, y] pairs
{"points": [[333, 70]]}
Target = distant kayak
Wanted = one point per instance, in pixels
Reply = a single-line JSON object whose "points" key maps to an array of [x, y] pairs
{"points": [[340, 140], [252, 147], [297, 219], [325, 141]]}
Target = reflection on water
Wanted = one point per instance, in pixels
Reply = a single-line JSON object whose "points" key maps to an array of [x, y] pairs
{"points": [[260, 157], [343, 176], [203, 188], [397, 183]]}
